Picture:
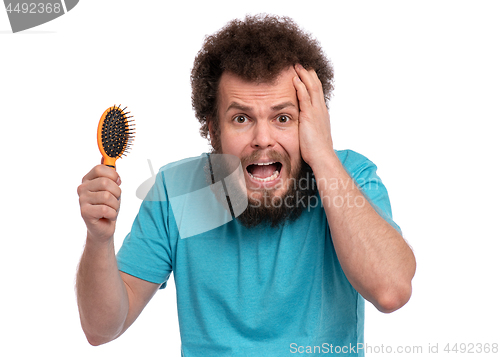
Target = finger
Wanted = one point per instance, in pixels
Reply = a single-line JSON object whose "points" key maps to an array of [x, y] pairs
{"points": [[312, 83], [100, 198], [102, 171], [96, 212], [101, 184], [302, 94]]}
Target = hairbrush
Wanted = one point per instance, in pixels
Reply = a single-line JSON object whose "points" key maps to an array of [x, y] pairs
{"points": [[114, 134]]}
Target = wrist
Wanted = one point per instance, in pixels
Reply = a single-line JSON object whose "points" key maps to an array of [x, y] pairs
{"points": [[324, 160], [331, 177], [99, 242]]}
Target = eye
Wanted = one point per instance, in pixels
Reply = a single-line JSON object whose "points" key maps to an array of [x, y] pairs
{"points": [[283, 119], [240, 119]]}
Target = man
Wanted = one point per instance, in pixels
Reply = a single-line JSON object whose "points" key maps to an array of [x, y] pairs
{"points": [[284, 276]]}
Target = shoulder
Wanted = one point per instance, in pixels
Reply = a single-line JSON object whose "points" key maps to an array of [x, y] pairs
{"points": [[184, 173], [184, 163], [354, 162]]}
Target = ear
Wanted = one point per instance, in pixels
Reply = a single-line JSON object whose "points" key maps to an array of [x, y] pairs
{"points": [[210, 128], [211, 131]]}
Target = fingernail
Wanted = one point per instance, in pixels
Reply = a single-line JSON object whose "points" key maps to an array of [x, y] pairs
{"points": [[118, 181], [299, 66]]}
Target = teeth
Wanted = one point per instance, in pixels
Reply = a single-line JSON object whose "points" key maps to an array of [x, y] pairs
{"points": [[270, 178], [264, 163]]}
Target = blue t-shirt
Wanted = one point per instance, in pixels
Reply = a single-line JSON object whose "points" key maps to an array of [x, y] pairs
{"points": [[255, 291]]}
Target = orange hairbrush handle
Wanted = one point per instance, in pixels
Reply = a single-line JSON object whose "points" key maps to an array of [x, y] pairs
{"points": [[109, 161]]}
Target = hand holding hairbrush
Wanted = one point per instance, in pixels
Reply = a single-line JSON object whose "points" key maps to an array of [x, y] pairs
{"points": [[114, 134]]}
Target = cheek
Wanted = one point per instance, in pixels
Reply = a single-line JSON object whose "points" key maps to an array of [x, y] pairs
{"points": [[291, 144], [232, 144]]}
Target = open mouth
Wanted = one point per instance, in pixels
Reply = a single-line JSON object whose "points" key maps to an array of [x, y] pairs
{"points": [[265, 171]]}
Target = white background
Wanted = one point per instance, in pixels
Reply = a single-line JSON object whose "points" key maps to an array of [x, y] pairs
{"points": [[417, 92]]}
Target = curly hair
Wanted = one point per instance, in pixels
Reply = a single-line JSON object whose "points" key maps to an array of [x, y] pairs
{"points": [[256, 49]]}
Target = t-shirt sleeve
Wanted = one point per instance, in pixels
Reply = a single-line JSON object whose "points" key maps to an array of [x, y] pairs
{"points": [[364, 172], [146, 251]]}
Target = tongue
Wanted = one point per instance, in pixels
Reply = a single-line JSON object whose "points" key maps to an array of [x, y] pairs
{"points": [[262, 171]]}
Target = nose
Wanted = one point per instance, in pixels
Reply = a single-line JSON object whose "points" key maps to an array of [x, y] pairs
{"points": [[263, 135]]}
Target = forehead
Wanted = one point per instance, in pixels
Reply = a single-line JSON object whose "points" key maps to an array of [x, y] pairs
{"points": [[233, 87]]}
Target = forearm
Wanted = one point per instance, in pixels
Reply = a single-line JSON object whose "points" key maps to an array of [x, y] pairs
{"points": [[374, 256], [102, 295]]}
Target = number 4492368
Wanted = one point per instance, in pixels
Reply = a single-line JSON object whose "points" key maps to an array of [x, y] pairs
{"points": [[34, 8], [471, 348]]}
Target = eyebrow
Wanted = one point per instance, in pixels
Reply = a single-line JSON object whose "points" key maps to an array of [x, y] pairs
{"points": [[282, 106], [238, 106], [245, 108]]}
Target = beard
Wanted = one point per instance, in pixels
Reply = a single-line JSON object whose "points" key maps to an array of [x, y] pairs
{"points": [[264, 206]]}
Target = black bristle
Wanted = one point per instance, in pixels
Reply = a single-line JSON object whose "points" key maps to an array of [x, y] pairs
{"points": [[116, 132]]}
